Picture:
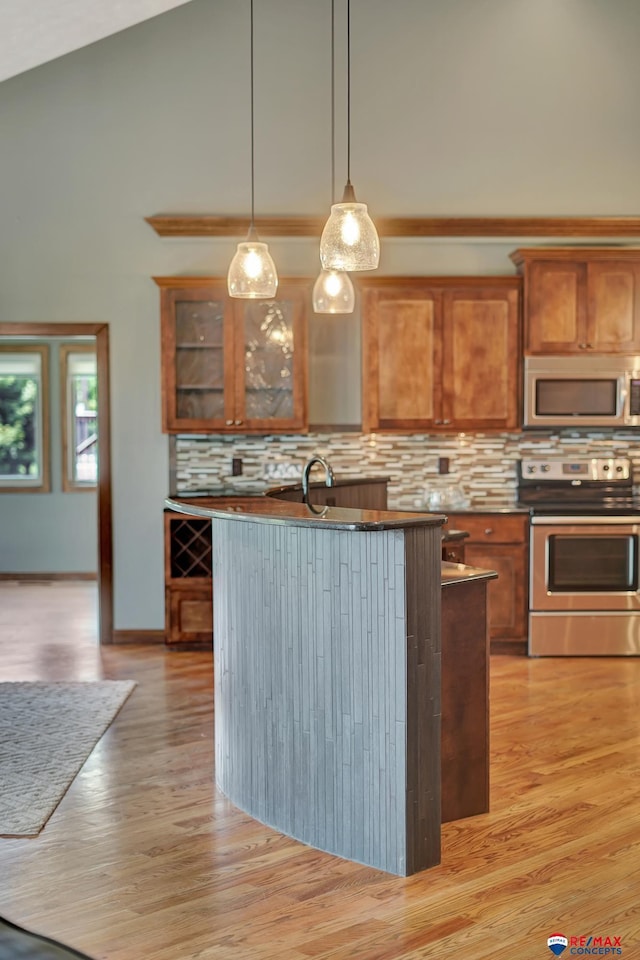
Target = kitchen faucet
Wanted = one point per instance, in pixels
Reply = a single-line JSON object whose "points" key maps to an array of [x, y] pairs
{"points": [[329, 475]]}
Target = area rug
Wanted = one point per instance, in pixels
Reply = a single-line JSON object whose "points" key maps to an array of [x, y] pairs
{"points": [[19, 944], [47, 731]]}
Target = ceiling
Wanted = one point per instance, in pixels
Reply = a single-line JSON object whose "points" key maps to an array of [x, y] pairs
{"points": [[36, 31]]}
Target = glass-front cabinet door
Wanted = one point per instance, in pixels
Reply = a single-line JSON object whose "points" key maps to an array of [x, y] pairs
{"points": [[271, 359], [232, 366], [197, 348]]}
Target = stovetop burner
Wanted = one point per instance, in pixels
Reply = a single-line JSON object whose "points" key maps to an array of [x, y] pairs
{"points": [[590, 487]]}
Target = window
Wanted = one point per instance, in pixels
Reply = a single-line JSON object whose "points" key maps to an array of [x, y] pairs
{"points": [[24, 419], [79, 396]]}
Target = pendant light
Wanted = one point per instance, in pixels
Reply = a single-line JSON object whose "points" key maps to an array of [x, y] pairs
{"points": [[252, 273], [333, 290], [349, 239]]}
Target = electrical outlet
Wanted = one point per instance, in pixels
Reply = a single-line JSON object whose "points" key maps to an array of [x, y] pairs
{"points": [[236, 467], [443, 465]]}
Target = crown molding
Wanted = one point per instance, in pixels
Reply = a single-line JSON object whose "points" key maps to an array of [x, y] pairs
{"points": [[211, 225]]}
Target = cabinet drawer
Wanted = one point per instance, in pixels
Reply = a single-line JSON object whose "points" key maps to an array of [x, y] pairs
{"points": [[492, 527], [195, 615], [189, 616], [453, 551]]}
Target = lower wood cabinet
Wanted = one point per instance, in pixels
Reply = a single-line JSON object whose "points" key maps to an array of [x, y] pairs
{"points": [[500, 542], [453, 551], [189, 616], [187, 580]]}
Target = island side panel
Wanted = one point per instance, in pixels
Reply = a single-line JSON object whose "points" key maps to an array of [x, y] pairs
{"points": [[310, 684], [465, 700], [423, 603]]}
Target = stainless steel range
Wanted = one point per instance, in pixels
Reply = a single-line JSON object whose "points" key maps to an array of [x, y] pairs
{"points": [[584, 550]]}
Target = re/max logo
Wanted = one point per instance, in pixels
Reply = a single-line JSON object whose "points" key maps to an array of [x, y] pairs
{"points": [[595, 941]]}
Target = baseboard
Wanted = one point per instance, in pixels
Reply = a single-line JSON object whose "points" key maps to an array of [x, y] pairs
{"points": [[48, 576], [137, 636], [509, 648]]}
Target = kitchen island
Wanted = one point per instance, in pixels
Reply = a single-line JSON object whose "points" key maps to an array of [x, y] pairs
{"points": [[328, 675]]}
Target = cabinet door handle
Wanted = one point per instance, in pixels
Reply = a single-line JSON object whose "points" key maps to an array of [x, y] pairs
{"points": [[488, 531], [437, 421], [237, 422], [589, 346], [229, 423], [446, 421], [583, 346]]}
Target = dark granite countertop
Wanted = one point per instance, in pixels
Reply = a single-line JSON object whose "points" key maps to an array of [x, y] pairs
{"points": [[454, 534], [270, 510], [190, 501], [209, 500], [461, 573], [211, 492]]}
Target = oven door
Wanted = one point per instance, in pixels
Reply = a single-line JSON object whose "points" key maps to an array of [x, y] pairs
{"points": [[584, 563]]}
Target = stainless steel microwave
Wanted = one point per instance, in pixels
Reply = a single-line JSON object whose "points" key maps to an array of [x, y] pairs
{"points": [[582, 391]]}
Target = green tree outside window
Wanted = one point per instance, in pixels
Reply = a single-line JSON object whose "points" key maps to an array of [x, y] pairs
{"points": [[18, 425]]}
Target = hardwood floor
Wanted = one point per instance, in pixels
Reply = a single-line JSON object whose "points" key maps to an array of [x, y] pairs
{"points": [[145, 860]]}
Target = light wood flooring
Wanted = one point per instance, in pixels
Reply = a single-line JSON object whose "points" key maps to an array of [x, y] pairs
{"points": [[145, 860]]}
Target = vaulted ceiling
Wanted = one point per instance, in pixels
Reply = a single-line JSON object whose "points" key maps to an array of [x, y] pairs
{"points": [[36, 31]]}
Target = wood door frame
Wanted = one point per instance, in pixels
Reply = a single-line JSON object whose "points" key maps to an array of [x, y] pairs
{"points": [[100, 331]]}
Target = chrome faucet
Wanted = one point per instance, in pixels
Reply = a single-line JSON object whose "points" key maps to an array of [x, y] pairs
{"points": [[329, 475]]}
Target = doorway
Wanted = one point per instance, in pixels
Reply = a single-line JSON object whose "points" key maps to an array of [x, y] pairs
{"points": [[26, 331]]}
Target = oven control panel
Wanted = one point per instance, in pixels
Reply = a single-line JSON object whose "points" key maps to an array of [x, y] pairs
{"points": [[605, 469]]}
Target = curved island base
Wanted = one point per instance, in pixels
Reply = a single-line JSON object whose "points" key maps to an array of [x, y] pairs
{"points": [[327, 668]]}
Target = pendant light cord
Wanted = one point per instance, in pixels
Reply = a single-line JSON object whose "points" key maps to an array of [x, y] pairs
{"points": [[348, 91], [252, 226], [333, 102]]}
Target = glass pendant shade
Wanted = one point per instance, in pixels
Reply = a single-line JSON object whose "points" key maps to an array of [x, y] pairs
{"points": [[349, 240], [252, 273], [333, 292]]}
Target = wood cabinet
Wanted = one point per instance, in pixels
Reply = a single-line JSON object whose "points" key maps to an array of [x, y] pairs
{"points": [[453, 551], [233, 366], [580, 300], [441, 354], [500, 542], [187, 580]]}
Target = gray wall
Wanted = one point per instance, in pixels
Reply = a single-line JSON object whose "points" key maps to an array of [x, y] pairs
{"points": [[51, 532], [465, 107]]}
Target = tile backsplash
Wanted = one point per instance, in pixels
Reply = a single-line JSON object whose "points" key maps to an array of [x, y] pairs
{"points": [[484, 465]]}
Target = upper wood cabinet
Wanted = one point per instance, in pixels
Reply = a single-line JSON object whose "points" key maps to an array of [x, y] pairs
{"points": [[584, 299], [440, 353], [233, 366]]}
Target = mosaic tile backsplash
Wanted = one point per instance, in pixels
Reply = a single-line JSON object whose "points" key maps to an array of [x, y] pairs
{"points": [[483, 465]]}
